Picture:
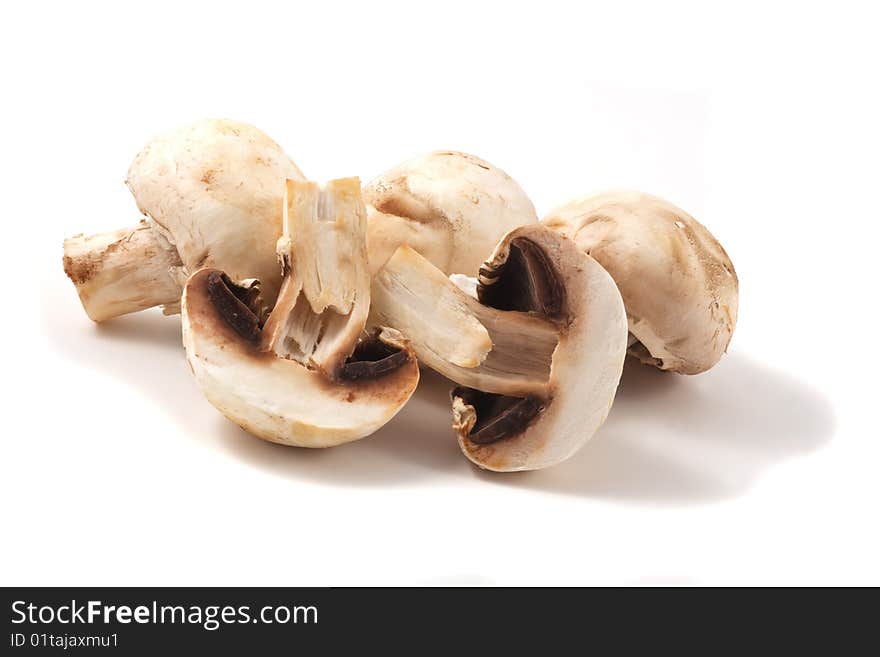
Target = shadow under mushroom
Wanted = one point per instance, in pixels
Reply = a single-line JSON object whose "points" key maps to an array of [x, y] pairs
{"points": [[674, 439]]}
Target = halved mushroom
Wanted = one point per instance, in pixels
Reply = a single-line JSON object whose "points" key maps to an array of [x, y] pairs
{"points": [[451, 207], [309, 376], [538, 355], [678, 284], [211, 192]]}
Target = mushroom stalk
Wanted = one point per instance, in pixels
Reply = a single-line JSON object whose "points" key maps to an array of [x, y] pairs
{"points": [[122, 271], [324, 300], [505, 352]]}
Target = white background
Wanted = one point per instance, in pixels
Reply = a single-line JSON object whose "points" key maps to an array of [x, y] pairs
{"points": [[760, 121]]}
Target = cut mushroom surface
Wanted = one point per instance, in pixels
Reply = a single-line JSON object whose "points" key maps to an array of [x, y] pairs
{"points": [[451, 207], [678, 283], [558, 336], [309, 376], [211, 194]]}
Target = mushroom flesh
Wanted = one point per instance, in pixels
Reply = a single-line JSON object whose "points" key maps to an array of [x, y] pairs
{"points": [[309, 376], [678, 284], [210, 192], [537, 355]]}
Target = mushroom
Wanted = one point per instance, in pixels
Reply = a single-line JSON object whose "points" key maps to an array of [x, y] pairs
{"points": [[451, 207], [537, 355], [308, 376], [211, 192], [678, 283]]}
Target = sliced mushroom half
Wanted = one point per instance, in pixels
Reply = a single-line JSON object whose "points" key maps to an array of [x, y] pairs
{"points": [[310, 376], [537, 355]]}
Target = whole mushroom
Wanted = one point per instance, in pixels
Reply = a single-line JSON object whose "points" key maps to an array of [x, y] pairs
{"points": [[678, 283], [211, 194], [449, 206]]}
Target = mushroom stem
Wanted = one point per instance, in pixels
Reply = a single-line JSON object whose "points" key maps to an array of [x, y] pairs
{"points": [[324, 300], [507, 352], [122, 271]]}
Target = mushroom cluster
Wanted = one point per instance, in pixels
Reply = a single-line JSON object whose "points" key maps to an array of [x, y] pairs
{"points": [[306, 311]]}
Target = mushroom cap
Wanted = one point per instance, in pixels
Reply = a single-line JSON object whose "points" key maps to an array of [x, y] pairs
{"points": [[213, 189], [278, 399], [587, 362], [678, 283], [451, 207]]}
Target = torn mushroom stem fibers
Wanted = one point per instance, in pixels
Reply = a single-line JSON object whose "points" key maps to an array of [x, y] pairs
{"points": [[324, 299]]}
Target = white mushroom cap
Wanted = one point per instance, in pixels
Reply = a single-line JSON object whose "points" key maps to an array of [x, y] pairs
{"points": [[213, 189], [586, 364], [449, 206], [304, 378], [678, 283]]}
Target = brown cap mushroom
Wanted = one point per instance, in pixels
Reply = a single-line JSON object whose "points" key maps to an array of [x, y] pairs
{"points": [[211, 192], [538, 355], [308, 376], [678, 283], [449, 206]]}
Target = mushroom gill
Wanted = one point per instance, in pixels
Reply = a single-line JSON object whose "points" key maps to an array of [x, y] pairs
{"points": [[525, 281]]}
